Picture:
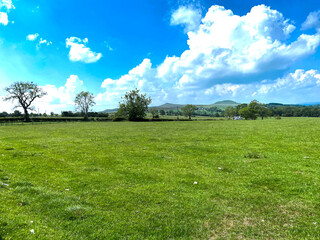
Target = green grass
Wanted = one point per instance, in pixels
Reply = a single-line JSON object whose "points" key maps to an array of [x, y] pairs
{"points": [[122, 180]]}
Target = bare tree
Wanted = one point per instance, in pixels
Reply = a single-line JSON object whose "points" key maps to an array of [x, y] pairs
{"points": [[25, 93], [84, 101]]}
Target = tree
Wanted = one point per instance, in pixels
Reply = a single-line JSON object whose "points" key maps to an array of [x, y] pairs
{"points": [[230, 112], [263, 111], [154, 113], [25, 93], [188, 110], [4, 114], [247, 113], [134, 105], [17, 113], [162, 112], [84, 101], [240, 106], [253, 110]]}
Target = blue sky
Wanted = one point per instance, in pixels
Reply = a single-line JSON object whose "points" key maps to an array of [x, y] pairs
{"points": [[175, 51]]}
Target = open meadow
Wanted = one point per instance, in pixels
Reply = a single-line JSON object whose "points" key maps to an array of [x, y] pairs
{"points": [[161, 180]]}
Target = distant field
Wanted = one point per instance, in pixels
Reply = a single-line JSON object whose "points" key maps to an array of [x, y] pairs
{"points": [[123, 180]]}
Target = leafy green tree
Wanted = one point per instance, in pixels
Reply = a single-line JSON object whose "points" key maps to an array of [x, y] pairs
{"points": [[4, 114], [154, 113], [263, 111], [230, 112], [162, 112], [84, 101], [25, 93], [240, 106], [253, 110], [247, 113], [134, 105], [188, 110]]}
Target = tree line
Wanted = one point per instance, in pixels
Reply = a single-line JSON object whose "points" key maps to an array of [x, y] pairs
{"points": [[254, 109], [134, 106]]}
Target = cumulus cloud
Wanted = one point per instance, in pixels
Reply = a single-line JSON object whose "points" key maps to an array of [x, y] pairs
{"points": [[228, 45], [64, 94], [60, 98], [226, 55], [4, 18], [41, 41], [32, 37], [79, 52], [293, 87], [57, 98], [138, 77], [187, 16], [312, 21], [6, 4], [44, 41]]}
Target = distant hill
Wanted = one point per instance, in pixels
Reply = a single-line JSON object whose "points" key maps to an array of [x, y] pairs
{"points": [[168, 106], [110, 110], [226, 102], [171, 106], [221, 105]]}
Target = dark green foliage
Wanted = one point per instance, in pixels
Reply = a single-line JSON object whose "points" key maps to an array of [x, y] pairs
{"points": [[253, 110], [230, 112], [188, 110], [154, 113], [134, 106], [4, 114], [162, 112]]}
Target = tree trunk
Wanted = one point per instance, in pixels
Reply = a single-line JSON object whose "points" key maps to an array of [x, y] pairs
{"points": [[189, 117], [26, 115], [86, 118]]}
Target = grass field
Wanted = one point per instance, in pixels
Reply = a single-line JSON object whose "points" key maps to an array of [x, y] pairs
{"points": [[255, 180]]}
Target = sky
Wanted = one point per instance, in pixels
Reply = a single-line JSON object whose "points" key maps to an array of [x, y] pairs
{"points": [[182, 51]]}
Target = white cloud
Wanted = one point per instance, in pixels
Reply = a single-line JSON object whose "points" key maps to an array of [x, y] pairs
{"points": [[6, 4], [32, 37], [312, 21], [41, 41], [230, 46], [60, 98], [294, 87], [4, 18], [139, 77], [226, 51], [187, 16], [64, 94], [79, 52], [44, 41], [56, 100]]}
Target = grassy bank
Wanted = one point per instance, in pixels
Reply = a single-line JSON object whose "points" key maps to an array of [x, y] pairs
{"points": [[122, 180]]}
